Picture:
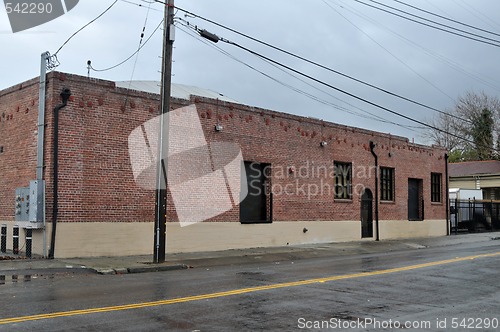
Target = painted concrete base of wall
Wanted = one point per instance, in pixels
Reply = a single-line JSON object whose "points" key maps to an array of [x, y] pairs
{"points": [[220, 236], [396, 229], [123, 239], [89, 239]]}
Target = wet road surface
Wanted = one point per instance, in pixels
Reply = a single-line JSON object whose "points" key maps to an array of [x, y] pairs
{"points": [[433, 289]]}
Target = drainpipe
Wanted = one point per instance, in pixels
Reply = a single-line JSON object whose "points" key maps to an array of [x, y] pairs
{"points": [[65, 94], [448, 219], [372, 146]]}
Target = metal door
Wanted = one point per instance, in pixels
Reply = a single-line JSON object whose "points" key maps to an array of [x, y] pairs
{"points": [[414, 199], [253, 207], [367, 214]]}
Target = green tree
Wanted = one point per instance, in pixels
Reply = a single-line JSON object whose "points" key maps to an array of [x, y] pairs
{"points": [[458, 155], [473, 123], [498, 147], [482, 134]]}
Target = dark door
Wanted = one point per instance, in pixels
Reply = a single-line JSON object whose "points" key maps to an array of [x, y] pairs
{"points": [[414, 199], [367, 214], [253, 207]]}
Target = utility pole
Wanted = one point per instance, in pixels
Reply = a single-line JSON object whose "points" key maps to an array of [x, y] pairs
{"points": [[160, 235], [40, 200]]}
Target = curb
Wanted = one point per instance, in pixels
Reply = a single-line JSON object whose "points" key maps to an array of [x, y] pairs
{"points": [[230, 257], [139, 269]]}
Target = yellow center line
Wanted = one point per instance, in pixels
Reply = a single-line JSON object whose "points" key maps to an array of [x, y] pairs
{"points": [[238, 291]]}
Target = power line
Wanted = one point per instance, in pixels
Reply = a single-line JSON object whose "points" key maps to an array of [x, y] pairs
{"points": [[142, 6], [353, 95], [341, 90], [140, 43], [130, 57], [392, 54], [215, 38], [295, 89], [137, 53], [496, 44], [484, 18], [451, 63], [446, 18], [86, 25], [338, 89], [317, 64], [440, 24]]}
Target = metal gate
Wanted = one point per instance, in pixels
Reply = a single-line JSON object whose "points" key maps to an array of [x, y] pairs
{"points": [[474, 215]]}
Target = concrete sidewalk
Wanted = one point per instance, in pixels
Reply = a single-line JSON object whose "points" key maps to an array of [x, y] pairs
{"points": [[138, 264]]}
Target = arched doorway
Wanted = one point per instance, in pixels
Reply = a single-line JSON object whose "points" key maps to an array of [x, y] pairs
{"points": [[367, 214]]}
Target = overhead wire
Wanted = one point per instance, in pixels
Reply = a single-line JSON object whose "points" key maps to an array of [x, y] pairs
{"points": [[314, 63], [391, 53], [149, 1], [367, 114], [132, 55], [321, 82], [476, 13], [142, 6], [343, 91], [496, 43], [137, 53], [446, 18], [432, 3], [364, 100], [435, 22], [358, 97], [83, 27], [140, 42], [456, 66]]}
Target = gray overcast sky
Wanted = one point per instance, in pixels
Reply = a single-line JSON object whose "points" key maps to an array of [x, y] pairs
{"points": [[418, 62]]}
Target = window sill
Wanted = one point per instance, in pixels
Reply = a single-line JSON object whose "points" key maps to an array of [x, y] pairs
{"points": [[436, 203], [388, 202], [252, 222]]}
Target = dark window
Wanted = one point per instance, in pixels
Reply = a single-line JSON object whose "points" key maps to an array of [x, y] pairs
{"points": [[386, 184], [343, 180], [436, 187], [256, 207]]}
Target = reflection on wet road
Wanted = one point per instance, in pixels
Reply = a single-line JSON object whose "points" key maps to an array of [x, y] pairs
{"points": [[415, 284]]}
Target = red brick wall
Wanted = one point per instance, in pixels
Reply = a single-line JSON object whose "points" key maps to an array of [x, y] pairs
{"points": [[95, 175], [18, 130], [289, 141]]}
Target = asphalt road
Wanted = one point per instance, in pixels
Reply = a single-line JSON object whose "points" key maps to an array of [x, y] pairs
{"points": [[454, 288]]}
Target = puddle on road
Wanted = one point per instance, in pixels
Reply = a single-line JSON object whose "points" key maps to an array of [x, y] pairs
{"points": [[14, 279]]}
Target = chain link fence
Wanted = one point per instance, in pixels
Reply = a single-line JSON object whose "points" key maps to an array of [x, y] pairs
{"points": [[18, 241]]}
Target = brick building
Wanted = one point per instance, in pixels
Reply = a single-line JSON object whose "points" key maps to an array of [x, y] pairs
{"points": [[308, 180]]}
